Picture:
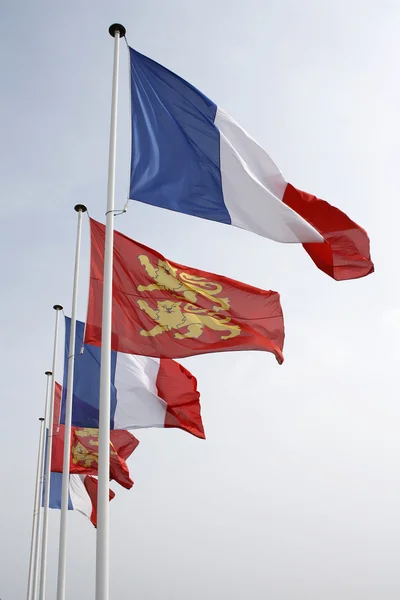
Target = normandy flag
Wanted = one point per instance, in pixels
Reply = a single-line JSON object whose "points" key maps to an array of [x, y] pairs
{"points": [[190, 156], [166, 310], [84, 448], [84, 452]]}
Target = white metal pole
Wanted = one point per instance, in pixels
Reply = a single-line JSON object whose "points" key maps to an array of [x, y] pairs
{"points": [[36, 508], [39, 518], [62, 555], [47, 469], [102, 548]]}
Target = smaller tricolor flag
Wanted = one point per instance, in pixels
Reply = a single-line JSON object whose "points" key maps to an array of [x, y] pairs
{"points": [[82, 494], [145, 392]]}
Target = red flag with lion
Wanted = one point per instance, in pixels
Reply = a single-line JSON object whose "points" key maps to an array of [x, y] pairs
{"points": [[85, 452], [167, 310]]}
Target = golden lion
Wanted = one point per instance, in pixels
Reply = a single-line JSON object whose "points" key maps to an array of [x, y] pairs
{"points": [[182, 284], [82, 456], [169, 316]]}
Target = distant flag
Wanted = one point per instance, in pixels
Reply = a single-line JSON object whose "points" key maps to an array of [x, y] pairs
{"points": [[57, 404], [167, 310], [84, 452], [189, 156], [82, 494], [145, 392]]}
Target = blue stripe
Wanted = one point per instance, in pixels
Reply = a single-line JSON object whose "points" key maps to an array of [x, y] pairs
{"points": [[85, 407], [175, 161], [55, 492]]}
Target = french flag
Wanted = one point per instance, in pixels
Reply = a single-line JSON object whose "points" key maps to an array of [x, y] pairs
{"points": [[189, 156], [82, 494], [145, 392]]}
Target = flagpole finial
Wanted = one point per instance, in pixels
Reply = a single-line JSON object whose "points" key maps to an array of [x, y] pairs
{"points": [[117, 27], [57, 307], [80, 208], [48, 373], [41, 418]]}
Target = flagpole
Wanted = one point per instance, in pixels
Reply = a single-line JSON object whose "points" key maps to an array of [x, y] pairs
{"points": [[62, 556], [47, 468], [39, 517], [102, 548], [36, 508]]}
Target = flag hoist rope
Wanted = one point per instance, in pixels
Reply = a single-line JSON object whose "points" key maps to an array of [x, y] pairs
{"points": [[102, 548], [62, 556], [47, 468], [36, 512]]}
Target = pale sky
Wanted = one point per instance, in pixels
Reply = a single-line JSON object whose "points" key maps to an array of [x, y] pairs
{"points": [[295, 494]]}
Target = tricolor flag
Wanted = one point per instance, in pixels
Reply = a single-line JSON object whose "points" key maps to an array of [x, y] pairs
{"points": [[188, 155], [145, 392], [82, 494], [167, 310]]}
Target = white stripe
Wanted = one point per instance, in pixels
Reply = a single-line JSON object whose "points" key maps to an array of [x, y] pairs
{"points": [[79, 497], [253, 188], [138, 404]]}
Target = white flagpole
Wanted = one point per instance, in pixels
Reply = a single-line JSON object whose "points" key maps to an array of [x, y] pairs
{"points": [[36, 509], [102, 547], [62, 556], [47, 468], [39, 518]]}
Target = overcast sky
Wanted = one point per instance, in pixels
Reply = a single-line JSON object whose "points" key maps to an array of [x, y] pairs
{"points": [[295, 494]]}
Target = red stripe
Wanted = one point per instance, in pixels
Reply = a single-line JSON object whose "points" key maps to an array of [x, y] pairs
{"points": [[91, 484], [345, 253], [178, 388]]}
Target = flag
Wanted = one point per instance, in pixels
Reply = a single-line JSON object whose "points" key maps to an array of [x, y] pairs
{"points": [[84, 452], [82, 494], [188, 155], [167, 310], [145, 391], [57, 404]]}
